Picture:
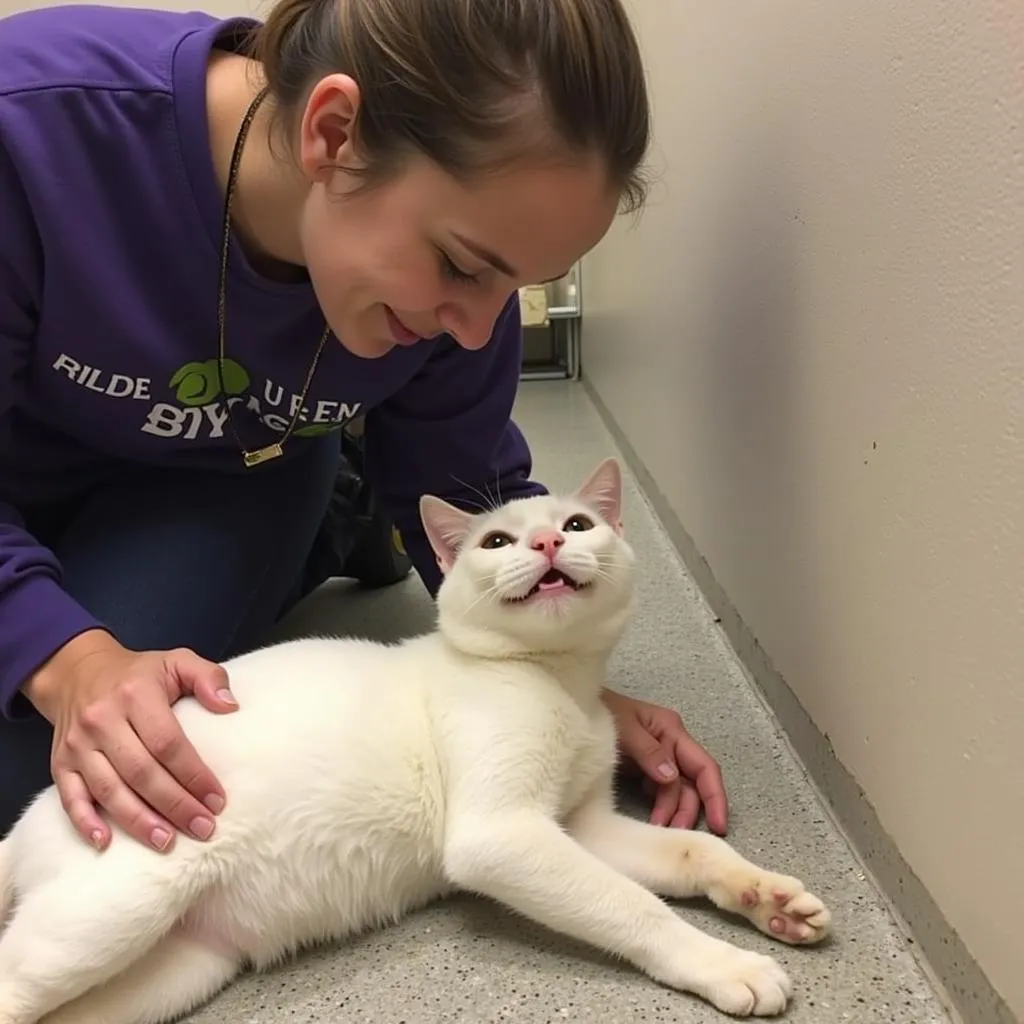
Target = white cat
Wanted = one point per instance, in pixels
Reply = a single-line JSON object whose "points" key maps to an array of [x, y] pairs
{"points": [[364, 780]]}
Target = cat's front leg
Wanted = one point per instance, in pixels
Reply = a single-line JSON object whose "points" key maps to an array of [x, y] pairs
{"points": [[680, 863], [525, 861]]}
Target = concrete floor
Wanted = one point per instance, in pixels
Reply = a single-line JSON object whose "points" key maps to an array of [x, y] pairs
{"points": [[466, 961]]}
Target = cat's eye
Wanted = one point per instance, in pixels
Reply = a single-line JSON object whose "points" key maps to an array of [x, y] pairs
{"points": [[577, 524], [496, 540]]}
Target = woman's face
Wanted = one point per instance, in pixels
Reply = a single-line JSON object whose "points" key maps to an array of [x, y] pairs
{"points": [[424, 254]]}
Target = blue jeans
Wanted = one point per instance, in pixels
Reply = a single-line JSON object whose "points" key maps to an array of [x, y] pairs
{"points": [[169, 559]]}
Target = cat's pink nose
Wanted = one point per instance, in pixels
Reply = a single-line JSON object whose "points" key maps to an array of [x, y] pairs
{"points": [[547, 541]]}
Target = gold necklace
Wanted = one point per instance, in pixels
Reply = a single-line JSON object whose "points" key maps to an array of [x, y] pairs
{"points": [[257, 456]]}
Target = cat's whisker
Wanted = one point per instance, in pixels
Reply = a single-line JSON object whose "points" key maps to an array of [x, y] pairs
{"points": [[476, 505], [488, 499], [487, 594], [611, 561]]}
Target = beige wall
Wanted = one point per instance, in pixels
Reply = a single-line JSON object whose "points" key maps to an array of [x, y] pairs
{"points": [[814, 341]]}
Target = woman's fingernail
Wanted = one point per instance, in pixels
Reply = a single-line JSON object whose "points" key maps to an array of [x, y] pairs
{"points": [[160, 838], [667, 771], [227, 696], [201, 828], [96, 838], [215, 803]]}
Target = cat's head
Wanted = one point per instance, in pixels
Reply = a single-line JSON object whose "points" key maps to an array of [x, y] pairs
{"points": [[538, 575]]}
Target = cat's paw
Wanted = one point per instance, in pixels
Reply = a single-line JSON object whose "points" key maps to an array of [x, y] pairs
{"points": [[780, 906], [742, 983]]}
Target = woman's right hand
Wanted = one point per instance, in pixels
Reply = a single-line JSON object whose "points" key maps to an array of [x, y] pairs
{"points": [[117, 744]]}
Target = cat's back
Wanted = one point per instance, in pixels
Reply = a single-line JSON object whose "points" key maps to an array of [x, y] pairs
{"points": [[313, 714], [306, 684]]}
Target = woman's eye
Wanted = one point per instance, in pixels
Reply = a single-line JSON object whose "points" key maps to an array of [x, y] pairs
{"points": [[496, 540], [451, 271], [577, 524]]}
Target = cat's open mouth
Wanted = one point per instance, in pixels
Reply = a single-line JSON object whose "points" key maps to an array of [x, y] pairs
{"points": [[552, 582]]}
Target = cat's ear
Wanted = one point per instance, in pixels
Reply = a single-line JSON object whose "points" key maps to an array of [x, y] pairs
{"points": [[446, 527], [603, 491]]}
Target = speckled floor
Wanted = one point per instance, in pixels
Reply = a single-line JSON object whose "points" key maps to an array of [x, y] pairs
{"points": [[466, 961]]}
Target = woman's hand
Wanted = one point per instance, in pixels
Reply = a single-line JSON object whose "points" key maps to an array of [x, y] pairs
{"points": [[679, 771], [117, 744]]}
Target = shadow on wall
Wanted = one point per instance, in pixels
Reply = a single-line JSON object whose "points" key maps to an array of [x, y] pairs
{"points": [[747, 354]]}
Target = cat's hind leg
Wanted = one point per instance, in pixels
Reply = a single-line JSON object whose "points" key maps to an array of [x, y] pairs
{"points": [[679, 863], [86, 926], [179, 974]]}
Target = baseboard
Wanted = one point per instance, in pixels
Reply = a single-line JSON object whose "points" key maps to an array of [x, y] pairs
{"points": [[958, 978]]}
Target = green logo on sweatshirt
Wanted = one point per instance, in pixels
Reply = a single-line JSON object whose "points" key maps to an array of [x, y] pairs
{"points": [[197, 384]]}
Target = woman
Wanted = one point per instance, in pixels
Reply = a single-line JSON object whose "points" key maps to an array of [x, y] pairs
{"points": [[221, 242]]}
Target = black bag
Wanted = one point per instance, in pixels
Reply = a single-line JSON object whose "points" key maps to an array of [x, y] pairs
{"points": [[356, 539]]}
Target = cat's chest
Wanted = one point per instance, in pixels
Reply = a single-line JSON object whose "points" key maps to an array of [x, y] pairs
{"points": [[588, 760], [527, 745]]}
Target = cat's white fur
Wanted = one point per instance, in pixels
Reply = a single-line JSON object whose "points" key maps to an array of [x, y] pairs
{"points": [[365, 780]]}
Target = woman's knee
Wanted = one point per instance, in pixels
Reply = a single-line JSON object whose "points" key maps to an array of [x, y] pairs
{"points": [[197, 560]]}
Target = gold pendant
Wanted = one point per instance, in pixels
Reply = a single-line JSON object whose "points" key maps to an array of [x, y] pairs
{"points": [[261, 455]]}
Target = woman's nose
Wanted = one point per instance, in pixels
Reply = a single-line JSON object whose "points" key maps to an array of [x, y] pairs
{"points": [[471, 321]]}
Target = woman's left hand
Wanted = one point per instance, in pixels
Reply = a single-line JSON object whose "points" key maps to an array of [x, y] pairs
{"points": [[681, 773]]}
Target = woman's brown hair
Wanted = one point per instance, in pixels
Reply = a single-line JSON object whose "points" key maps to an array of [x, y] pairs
{"points": [[471, 84]]}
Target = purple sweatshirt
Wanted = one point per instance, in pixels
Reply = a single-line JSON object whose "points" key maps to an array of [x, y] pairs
{"points": [[110, 217]]}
